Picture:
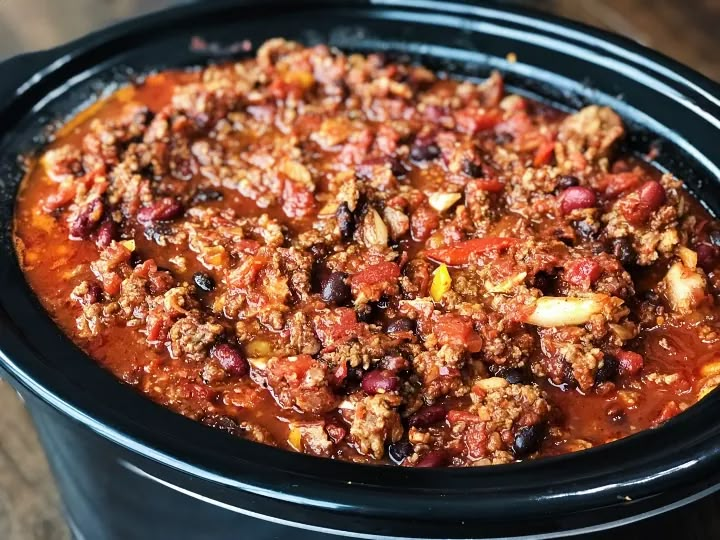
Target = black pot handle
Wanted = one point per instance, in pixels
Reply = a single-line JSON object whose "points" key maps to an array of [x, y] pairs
{"points": [[19, 73]]}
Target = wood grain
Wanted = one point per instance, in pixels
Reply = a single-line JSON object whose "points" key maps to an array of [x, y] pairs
{"points": [[29, 505]]}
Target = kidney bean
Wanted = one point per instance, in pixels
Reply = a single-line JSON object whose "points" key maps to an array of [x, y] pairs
{"points": [[164, 209], [528, 440], [399, 451], [230, 359], [336, 432], [204, 281], [401, 325], [380, 381], [707, 256], [566, 181], [427, 416], [93, 294], [87, 219], [577, 197], [346, 221], [366, 312], [335, 289], [608, 370], [652, 195], [436, 458], [106, 233]]}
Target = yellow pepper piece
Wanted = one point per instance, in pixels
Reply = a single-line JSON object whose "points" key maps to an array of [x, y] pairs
{"points": [[441, 282], [295, 438], [128, 244]]}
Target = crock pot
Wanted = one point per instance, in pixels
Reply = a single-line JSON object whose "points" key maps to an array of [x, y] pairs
{"points": [[130, 469]]}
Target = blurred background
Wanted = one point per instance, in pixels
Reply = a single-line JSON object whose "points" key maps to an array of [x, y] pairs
{"points": [[29, 506], [683, 29]]}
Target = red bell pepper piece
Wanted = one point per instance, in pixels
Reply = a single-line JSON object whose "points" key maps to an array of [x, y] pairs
{"points": [[460, 253]]}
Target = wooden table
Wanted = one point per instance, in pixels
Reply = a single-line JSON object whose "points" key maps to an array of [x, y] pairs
{"points": [[30, 508]]}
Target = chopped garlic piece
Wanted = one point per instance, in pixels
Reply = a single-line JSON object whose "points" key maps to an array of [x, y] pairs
{"points": [[684, 288], [443, 201], [441, 282]]}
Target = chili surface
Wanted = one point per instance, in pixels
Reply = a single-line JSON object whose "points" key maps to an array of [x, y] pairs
{"points": [[361, 259]]}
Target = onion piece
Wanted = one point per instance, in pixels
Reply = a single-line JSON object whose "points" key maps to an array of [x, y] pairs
{"points": [[551, 311]]}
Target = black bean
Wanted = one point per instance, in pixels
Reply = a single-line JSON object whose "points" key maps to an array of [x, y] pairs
{"points": [[399, 451], [514, 375], [566, 181], [366, 313], [336, 290], [204, 281], [543, 281], [346, 221], [608, 369], [528, 440], [401, 325], [206, 195], [715, 238], [398, 168], [472, 169], [586, 230], [424, 151], [623, 250]]}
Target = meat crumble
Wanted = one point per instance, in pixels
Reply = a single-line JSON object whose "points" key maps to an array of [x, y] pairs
{"points": [[359, 259]]}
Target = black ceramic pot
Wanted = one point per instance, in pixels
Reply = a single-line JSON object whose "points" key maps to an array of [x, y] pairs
{"points": [[130, 469]]}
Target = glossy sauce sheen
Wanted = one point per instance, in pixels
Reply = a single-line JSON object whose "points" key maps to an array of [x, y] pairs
{"points": [[331, 284]]}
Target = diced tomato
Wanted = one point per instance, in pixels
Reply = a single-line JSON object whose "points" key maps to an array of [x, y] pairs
{"points": [[145, 268], [337, 326], [340, 374], [476, 440], [630, 362], [423, 223], [669, 410], [544, 153], [472, 119], [245, 274], [583, 272], [111, 283], [618, 183], [376, 273], [493, 185], [63, 196], [457, 330], [298, 200], [518, 124], [460, 253]]}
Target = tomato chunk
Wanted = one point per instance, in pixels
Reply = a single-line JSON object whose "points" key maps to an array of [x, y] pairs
{"points": [[376, 273], [457, 330]]}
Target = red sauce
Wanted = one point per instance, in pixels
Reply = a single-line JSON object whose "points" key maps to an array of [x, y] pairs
{"points": [[355, 259]]}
